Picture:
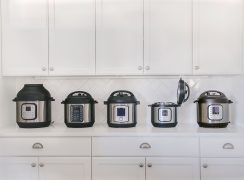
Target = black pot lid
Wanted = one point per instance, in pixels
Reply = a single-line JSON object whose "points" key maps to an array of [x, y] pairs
{"points": [[79, 97], [164, 104], [33, 92], [213, 96], [122, 96], [183, 92]]}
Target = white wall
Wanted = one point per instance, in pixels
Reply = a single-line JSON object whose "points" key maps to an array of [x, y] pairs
{"points": [[147, 90]]}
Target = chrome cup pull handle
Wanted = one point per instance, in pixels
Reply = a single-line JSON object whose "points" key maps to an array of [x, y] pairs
{"points": [[37, 146], [228, 146], [145, 146]]}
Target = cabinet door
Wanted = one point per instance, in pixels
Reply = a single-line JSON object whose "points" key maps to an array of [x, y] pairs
{"points": [[218, 36], [72, 37], [25, 37], [173, 169], [119, 37], [21, 168], [65, 168], [168, 37], [118, 168], [222, 169]]}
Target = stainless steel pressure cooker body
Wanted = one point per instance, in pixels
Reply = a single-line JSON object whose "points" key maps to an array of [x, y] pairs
{"points": [[164, 114], [33, 106], [79, 110], [213, 110], [122, 109]]}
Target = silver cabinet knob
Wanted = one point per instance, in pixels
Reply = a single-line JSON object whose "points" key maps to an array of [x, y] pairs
{"points": [[145, 146], [41, 165], [33, 165], [205, 166], [147, 68], [51, 68], [141, 165], [140, 68], [44, 68], [37, 146], [149, 165], [197, 68]]}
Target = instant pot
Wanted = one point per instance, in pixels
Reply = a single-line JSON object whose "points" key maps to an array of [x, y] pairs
{"points": [[164, 114], [213, 109], [33, 106], [79, 109], [122, 109]]}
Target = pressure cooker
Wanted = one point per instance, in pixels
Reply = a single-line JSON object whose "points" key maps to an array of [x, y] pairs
{"points": [[33, 106], [79, 108], [213, 109], [122, 109], [164, 114]]}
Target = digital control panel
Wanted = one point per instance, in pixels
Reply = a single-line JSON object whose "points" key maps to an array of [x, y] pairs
{"points": [[76, 113], [164, 115], [29, 111], [121, 114], [215, 112]]}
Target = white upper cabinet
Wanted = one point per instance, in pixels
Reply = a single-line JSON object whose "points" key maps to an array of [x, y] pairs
{"points": [[218, 36], [72, 37], [25, 37], [168, 37], [119, 37]]}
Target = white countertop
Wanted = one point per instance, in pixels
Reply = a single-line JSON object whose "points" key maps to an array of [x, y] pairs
{"points": [[60, 130]]}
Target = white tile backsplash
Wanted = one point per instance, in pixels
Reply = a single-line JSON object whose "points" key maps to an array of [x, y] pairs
{"points": [[147, 90]]}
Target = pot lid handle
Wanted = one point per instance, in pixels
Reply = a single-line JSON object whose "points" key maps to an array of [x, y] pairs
{"points": [[79, 93], [122, 93], [214, 93], [188, 91]]}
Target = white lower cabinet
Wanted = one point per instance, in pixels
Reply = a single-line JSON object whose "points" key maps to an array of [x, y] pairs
{"points": [[222, 158], [145, 158], [46, 168], [18, 168], [118, 168], [65, 168], [222, 169], [50, 158], [172, 169]]}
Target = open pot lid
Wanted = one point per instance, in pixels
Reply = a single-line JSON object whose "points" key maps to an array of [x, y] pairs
{"points": [[79, 97], [122, 96], [183, 92]]}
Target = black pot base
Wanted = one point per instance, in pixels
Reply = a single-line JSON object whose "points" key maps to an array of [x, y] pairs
{"points": [[34, 125], [122, 125], [79, 125], [169, 125], [206, 125]]}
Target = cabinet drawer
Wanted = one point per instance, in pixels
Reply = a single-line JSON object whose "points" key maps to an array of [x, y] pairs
{"points": [[45, 146], [143, 146], [222, 147]]}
